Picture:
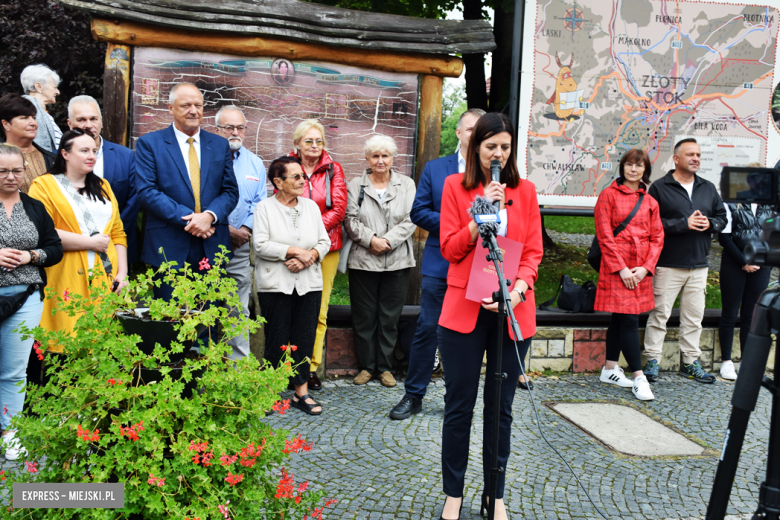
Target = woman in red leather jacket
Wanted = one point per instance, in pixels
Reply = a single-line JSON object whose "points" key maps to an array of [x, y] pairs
{"points": [[327, 187], [467, 329]]}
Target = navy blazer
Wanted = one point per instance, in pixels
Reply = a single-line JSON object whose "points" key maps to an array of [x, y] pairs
{"points": [[118, 163], [427, 208], [165, 193]]}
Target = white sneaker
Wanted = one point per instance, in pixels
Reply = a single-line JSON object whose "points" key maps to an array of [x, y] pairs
{"points": [[13, 448], [641, 389], [615, 377], [727, 371]]}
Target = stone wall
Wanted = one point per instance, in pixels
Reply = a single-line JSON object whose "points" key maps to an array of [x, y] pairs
{"points": [[561, 349]]}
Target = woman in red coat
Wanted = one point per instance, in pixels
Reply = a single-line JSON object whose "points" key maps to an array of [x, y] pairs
{"points": [[468, 329], [327, 187], [627, 259]]}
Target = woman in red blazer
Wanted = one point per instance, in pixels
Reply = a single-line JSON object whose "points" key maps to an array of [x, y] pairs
{"points": [[467, 329]]}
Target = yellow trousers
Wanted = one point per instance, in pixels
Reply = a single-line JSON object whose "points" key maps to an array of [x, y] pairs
{"points": [[329, 266]]}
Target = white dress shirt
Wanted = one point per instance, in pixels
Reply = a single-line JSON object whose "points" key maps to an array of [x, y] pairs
{"points": [[181, 137], [184, 146], [98, 169], [461, 162]]}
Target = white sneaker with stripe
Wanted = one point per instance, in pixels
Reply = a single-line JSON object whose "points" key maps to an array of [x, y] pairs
{"points": [[615, 377]]}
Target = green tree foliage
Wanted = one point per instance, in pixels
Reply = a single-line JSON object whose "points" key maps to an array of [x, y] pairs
{"points": [[44, 31], [449, 141]]}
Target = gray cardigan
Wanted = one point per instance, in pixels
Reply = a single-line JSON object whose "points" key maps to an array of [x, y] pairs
{"points": [[46, 127], [274, 233]]}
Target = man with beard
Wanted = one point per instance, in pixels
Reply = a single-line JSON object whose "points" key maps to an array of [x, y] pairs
{"points": [[691, 210], [250, 174]]}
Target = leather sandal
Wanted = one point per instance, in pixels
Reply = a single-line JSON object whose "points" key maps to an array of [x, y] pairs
{"points": [[303, 406]]}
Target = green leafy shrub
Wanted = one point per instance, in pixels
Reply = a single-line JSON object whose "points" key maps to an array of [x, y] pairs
{"points": [[207, 456]]}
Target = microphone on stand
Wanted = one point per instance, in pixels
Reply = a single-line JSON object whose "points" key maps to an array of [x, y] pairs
{"points": [[486, 216], [495, 174]]}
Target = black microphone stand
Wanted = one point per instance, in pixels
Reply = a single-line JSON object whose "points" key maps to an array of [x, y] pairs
{"points": [[504, 299]]}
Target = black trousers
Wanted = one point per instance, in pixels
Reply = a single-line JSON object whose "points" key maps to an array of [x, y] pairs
{"points": [[462, 355], [377, 299], [739, 292], [623, 335], [290, 320]]}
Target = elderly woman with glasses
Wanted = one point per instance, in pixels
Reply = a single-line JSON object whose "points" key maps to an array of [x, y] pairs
{"points": [[290, 242], [40, 87], [325, 186], [19, 128], [28, 244], [380, 259]]}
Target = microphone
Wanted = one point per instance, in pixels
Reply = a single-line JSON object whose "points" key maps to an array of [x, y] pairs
{"points": [[481, 207], [495, 174]]}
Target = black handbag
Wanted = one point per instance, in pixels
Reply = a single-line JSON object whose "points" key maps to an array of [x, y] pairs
{"points": [[594, 253], [572, 297], [10, 304]]}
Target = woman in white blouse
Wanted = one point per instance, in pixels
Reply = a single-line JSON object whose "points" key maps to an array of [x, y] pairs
{"points": [[290, 242], [87, 219]]}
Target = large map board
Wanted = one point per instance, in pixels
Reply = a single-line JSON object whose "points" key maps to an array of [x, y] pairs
{"points": [[599, 78], [276, 94]]}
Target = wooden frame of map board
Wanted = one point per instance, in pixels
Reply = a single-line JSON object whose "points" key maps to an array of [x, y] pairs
{"points": [[123, 36], [597, 82]]}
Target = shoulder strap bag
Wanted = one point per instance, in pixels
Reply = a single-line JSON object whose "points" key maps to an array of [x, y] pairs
{"points": [[345, 238], [572, 297], [594, 253]]}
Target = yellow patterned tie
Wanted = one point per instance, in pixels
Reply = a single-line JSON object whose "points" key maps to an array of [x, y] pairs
{"points": [[194, 174]]}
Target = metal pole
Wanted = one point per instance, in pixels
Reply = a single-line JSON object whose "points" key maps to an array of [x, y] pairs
{"points": [[517, 49]]}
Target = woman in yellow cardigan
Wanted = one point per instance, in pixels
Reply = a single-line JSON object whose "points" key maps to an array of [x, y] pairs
{"points": [[87, 219]]}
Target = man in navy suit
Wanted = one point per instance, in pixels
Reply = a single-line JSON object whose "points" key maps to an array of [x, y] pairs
{"points": [[114, 163], [187, 187], [425, 213]]}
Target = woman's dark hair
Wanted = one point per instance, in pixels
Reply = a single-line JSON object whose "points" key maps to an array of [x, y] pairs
{"points": [[93, 185], [279, 167], [14, 105], [487, 126], [634, 156]]}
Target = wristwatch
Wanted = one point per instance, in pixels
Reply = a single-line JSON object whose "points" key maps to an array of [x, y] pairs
{"points": [[518, 291]]}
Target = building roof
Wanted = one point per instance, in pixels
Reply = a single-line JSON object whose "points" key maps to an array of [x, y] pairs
{"points": [[303, 21]]}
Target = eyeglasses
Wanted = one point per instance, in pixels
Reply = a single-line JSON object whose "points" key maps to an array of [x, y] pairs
{"points": [[230, 128], [309, 142], [296, 177], [18, 173]]}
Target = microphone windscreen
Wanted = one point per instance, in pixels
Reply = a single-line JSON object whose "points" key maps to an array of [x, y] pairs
{"points": [[482, 206]]}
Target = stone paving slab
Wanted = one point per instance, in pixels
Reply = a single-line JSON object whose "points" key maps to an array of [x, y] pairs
{"points": [[383, 469], [627, 430]]}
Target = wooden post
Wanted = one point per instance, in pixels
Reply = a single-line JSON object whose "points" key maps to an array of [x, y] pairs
{"points": [[116, 90], [428, 141]]}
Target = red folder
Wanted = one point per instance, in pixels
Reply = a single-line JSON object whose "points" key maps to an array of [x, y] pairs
{"points": [[483, 280]]}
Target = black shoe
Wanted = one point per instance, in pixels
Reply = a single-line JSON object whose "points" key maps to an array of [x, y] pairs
{"points": [[314, 382], [528, 385], [406, 408], [483, 508], [459, 510]]}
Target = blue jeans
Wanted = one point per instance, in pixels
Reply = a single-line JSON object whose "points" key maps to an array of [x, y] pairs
{"points": [[15, 352], [422, 354]]}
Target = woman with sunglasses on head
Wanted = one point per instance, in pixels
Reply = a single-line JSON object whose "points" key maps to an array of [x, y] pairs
{"points": [[87, 219], [381, 257], [28, 244], [325, 186], [468, 329], [290, 242]]}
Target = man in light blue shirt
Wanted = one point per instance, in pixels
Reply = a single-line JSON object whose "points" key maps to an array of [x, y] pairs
{"points": [[250, 174]]}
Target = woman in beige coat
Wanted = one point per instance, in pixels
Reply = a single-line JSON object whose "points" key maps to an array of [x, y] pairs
{"points": [[290, 242], [380, 259]]}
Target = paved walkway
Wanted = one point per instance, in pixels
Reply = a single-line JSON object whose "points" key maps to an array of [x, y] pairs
{"points": [[383, 469]]}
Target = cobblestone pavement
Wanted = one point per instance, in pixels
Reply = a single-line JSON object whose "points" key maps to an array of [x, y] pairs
{"points": [[383, 469]]}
